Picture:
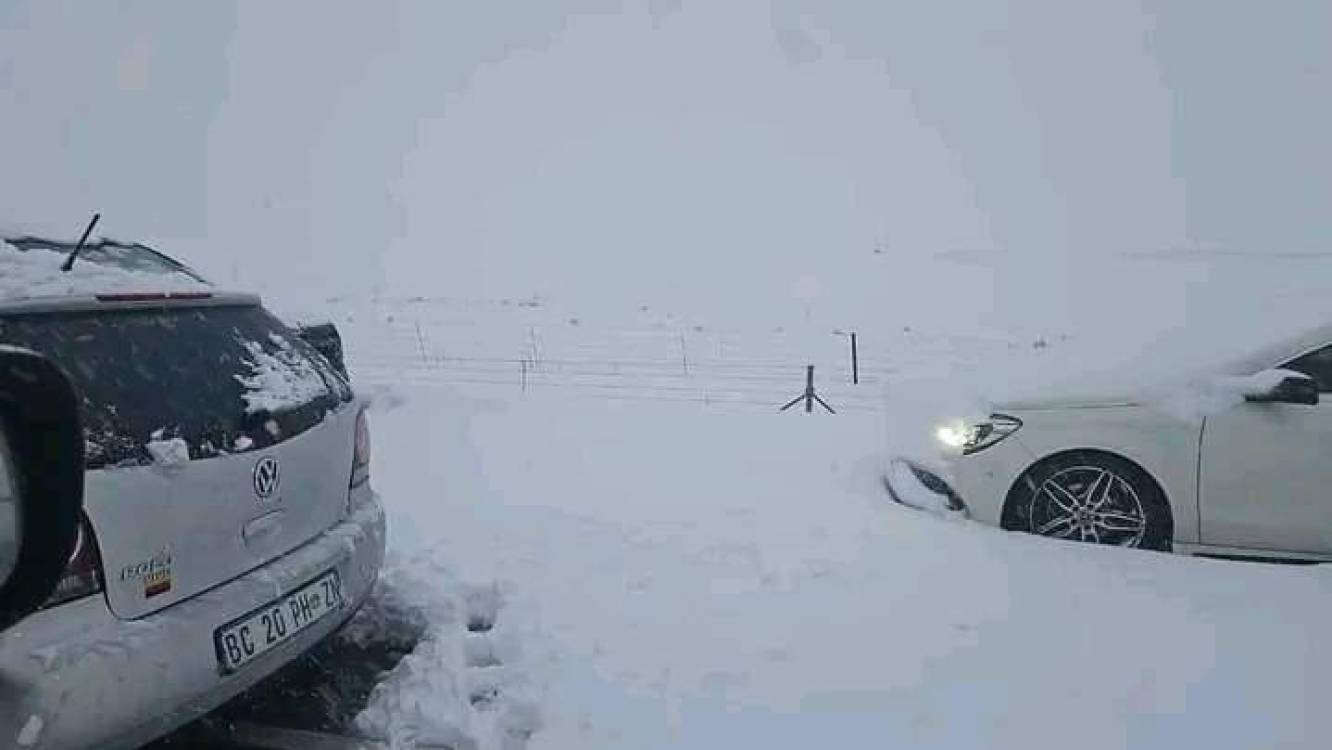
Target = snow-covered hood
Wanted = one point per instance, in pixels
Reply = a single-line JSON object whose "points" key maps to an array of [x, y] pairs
{"points": [[1162, 373], [1067, 400], [1187, 399]]}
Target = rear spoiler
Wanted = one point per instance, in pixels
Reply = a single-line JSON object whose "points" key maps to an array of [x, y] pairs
{"points": [[127, 301]]}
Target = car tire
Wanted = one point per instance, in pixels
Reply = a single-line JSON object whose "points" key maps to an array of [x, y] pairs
{"points": [[1091, 496]]}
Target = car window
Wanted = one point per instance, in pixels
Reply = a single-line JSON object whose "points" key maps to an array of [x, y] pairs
{"points": [[1316, 364], [223, 379]]}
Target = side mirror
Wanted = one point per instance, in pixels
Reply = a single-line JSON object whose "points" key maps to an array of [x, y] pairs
{"points": [[41, 480], [1292, 389]]}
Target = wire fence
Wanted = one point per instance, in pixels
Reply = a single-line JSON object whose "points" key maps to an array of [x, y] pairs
{"points": [[517, 350]]}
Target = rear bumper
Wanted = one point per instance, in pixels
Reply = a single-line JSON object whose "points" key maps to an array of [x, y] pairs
{"points": [[76, 676]]}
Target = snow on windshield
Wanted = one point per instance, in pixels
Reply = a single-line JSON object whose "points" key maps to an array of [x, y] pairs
{"points": [[35, 272], [167, 452], [279, 379]]}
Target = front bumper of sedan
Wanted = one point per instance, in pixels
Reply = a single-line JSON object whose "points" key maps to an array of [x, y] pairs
{"points": [[76, 676], [915, 486], [976, 485]]}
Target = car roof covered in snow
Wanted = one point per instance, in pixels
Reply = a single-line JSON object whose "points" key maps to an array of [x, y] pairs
{"points": [[30, 268]]}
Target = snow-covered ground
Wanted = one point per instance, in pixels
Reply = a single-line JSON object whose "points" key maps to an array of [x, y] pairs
{"points": [[672, 571], [615, 538]]}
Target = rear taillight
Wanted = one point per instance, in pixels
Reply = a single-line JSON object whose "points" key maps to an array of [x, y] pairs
{"points": [[83, 572], [361, 453]]}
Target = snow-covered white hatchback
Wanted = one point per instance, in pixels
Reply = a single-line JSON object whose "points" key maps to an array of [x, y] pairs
{"points": [[230, 523], [1247, 476]]}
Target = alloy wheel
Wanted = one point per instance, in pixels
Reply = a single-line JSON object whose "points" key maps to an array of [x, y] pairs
{"points": [[1089, 504]]}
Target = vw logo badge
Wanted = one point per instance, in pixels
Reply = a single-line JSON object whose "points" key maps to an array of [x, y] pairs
{"points": [[266, 477]]}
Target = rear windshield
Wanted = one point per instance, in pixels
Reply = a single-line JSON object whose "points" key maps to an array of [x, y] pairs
{"points": [[219, 379]]}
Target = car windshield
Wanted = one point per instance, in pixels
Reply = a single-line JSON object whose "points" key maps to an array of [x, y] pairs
{"points": [[704, 374]]}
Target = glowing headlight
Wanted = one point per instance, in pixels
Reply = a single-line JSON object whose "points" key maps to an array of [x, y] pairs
{"points": [[970, 437], [955, 435]]}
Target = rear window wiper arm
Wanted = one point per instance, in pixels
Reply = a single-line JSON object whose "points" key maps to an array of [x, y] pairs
{"points": [[74, 254]]}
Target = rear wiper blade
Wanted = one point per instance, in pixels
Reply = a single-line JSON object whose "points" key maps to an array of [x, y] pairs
{"points": [[74, 254]]}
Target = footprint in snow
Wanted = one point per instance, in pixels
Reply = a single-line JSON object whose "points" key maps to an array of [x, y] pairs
{"points": [[482, 605], [480, 653]]}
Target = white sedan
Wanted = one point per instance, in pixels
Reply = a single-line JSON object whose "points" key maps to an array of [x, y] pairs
{"points": [[1249, 480]]}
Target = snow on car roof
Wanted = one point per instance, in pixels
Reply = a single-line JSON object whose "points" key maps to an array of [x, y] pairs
{"points": [[30, 268]]}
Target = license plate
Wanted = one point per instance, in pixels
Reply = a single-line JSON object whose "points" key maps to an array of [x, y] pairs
{"points": [[246, 639]]}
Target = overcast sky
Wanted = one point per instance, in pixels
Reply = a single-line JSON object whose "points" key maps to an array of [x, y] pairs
{"points": [[632, 151]]}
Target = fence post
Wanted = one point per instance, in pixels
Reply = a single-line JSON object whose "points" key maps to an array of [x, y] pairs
{"points": [[809, 396], [855, 361], [420, 340], [536, 351]]}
